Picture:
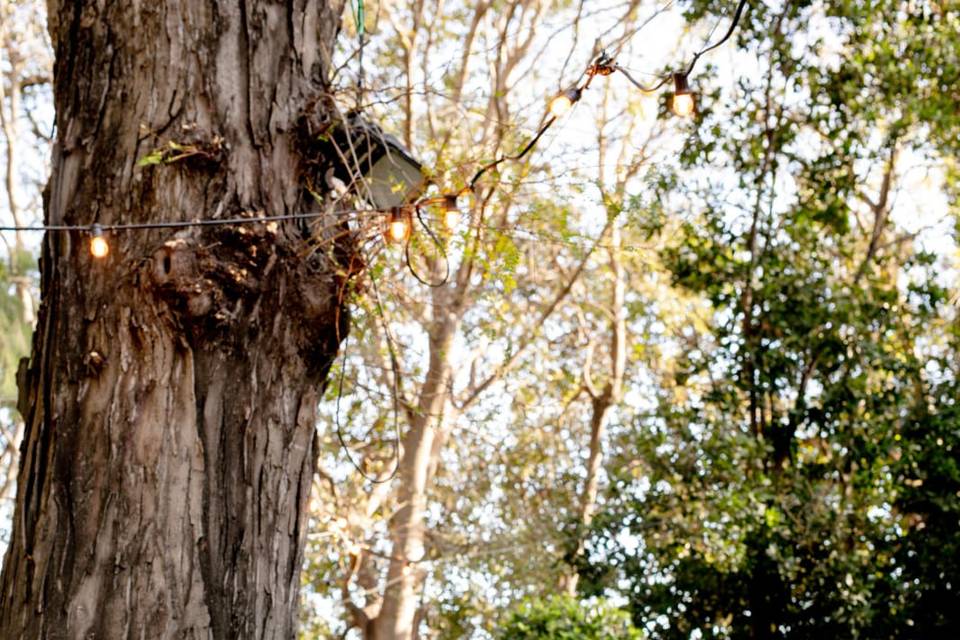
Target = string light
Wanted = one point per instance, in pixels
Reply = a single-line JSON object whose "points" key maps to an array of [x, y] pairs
{"points": [[562, 103], [98, 243], [399, 226], [682, 102], [183, 224], [451, 212]]}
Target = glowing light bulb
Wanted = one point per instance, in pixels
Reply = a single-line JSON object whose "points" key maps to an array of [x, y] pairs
{"points": [[98, 244], [682, 103], [398, 229], [451, 212], [451, 219], [561, 104]]}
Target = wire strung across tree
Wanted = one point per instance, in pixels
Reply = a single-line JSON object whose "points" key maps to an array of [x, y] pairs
{"points": [[604, 65]]}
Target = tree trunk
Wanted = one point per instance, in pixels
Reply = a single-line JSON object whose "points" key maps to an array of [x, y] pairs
{"points": [[396, 619], [601, 403], [169, 402]]}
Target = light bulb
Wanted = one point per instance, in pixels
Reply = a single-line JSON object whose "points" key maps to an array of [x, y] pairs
{"points": [[682, 104], [561, 104], [398, 229], [98, 244], [451, 212], [451, 219]]}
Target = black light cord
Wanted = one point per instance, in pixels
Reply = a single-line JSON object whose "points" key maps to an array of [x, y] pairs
{"points": [[733, 27], [518, 156], [604, 65], [395, 369], [183, 224], [638, 85], [437, 242], [396, 407]]}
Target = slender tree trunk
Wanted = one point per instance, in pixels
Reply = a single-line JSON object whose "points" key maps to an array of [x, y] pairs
{"points": [[169, 401], [602, 402], [398, 611], [8, 123]]}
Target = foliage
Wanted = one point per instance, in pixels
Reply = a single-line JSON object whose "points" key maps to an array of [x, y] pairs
{"points": [[922, 590], [15, 334], [564, 618], [798, 477], [783, 460]]}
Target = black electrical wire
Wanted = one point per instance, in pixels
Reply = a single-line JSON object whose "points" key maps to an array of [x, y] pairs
{"points": [[437, 242], [644, 88], [97, 228], [395, 367], [733, 27], [666, 78], [360, 19], [518, 156], [605, 65], [183, 224]]}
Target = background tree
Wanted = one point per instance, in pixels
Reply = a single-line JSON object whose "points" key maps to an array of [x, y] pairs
{"points": [[769, 495], [517, 259], [388, 525], [24, 88]]}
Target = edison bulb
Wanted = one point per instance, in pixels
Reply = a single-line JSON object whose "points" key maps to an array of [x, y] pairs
{"points": [[397, 230], [98, 244], [560, 105], [682, 104], [451, 218], [451, 212]]}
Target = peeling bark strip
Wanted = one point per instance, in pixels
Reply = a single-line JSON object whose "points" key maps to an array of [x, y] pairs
{"points": [[170, 399]]}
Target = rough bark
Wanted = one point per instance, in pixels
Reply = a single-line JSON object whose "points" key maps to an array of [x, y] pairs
{"points": [[169, 401]]}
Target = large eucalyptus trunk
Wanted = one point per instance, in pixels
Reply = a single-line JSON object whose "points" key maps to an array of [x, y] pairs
{"points": [[169, 401]]}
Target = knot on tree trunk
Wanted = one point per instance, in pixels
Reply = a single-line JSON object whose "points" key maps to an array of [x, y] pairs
{"points": [[242, 284]]}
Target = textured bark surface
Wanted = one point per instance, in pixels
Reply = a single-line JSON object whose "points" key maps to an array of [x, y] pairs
{"points": [[170, 398]]}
